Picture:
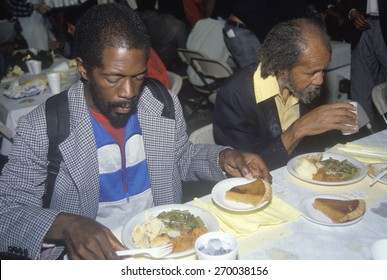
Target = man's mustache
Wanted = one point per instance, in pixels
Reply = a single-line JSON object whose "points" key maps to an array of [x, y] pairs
{"points": [[125, 103]]}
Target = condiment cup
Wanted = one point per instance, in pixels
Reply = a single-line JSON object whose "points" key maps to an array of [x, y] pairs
{"points": [[216, 245], [379, 250]]}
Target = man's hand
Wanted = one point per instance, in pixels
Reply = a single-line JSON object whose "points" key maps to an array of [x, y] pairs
{"points": [[248, 165], [335, 116], [41, 8], [84, 238], [359, 20]]}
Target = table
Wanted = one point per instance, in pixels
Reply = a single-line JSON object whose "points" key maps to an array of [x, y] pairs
{"points": [[12, 109], [305, 240]]}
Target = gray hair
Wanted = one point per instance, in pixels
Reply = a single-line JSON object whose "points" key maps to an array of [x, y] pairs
{"points": [[285, 44]]}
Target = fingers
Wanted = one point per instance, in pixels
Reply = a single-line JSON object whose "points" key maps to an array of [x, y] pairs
{"points": [[248, 165], [87, 239]]}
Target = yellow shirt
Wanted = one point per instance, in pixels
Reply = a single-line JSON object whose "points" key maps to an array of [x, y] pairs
{"points": [[288, 111]]}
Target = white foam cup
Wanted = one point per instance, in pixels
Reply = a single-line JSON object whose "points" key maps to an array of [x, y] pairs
{"points": [[344, 132], [54, 82]]}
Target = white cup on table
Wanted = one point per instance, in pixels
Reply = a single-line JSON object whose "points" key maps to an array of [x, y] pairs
{"points": [[36, 66], [354, 103], [216, 245], [54, 82]]}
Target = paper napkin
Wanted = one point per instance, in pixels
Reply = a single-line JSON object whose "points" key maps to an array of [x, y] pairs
{"points": [[241, 224], [363, 153]]}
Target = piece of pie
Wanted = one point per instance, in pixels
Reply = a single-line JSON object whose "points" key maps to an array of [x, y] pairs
{"points": [[253, 193], [340, 211]]}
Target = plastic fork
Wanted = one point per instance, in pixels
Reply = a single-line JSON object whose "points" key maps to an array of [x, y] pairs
{"points": [[377, 177], [157, 252]]}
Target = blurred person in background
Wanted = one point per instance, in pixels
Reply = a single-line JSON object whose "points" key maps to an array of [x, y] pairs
{"points": [[369, 51], [35, 26]]}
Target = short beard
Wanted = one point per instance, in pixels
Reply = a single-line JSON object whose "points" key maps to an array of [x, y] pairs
{"points": [[107, 108], [306, 96]]}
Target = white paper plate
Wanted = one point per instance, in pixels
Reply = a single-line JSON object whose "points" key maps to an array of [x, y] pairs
{"points": [[378, 167], [315, 216], [219, 196], [363, 170], [209, 221]]}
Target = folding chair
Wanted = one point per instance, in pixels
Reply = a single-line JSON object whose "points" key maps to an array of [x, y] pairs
{"points": [[175, 81], [379, 97]]}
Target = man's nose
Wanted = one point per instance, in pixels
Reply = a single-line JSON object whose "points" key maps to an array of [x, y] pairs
{"points": [[126, 89], [318, 79]]}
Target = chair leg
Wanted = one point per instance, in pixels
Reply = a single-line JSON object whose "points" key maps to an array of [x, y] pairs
{"points": [[197, 107]]}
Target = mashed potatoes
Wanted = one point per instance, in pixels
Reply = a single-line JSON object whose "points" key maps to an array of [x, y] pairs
{"points": [[144, 233], [306, 167]]}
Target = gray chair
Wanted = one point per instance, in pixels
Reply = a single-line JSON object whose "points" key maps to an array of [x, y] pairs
{"points": [[175, 82], [379, 97]]}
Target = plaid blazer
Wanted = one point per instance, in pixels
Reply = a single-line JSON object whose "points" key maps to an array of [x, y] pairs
{"points": [[170, 157]]}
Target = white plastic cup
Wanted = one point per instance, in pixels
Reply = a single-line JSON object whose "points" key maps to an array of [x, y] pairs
{"points": [[54, 82], [379, 250], [228, 243], [354, 103], [36, 66]]}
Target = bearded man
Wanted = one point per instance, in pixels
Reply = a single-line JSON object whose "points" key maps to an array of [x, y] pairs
{"points": [[268, 109]]}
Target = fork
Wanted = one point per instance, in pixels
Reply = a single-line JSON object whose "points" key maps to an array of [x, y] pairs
{"points": [[157, 252], [377, 177]]}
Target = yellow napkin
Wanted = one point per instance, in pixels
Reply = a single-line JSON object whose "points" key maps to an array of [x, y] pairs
{"points": [[359, 152], [241, 224]]}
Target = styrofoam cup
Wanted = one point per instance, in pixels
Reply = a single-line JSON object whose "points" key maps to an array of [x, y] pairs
{"points": [[379, 250], [354, 103], [54, 82], [36, 66]]}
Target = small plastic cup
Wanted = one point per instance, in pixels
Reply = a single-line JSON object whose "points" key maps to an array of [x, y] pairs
{"points": [[216, 245], [54, 82]]}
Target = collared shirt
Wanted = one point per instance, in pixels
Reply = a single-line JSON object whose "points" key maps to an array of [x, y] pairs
{"points": [[288, 111]]}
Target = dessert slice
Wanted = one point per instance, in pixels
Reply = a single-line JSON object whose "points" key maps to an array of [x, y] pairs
{"points": [[251, 193], [340, 211]]}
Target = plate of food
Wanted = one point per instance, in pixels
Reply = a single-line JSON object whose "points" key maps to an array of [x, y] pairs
{"points": [[332, 210], [179, 224], [376, 168], [327, 169], [241, 194]]}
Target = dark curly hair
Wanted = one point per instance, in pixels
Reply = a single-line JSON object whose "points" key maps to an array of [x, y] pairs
{"points": [[108, 26], [285, 43]]}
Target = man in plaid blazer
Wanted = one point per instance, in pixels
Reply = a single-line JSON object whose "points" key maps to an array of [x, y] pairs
{"points": [[109, 103]]}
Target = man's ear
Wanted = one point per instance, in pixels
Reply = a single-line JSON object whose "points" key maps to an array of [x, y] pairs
{"points": [[81, 68]]}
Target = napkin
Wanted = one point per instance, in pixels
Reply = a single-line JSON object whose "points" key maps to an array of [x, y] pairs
{"points": [[363, 153], [241, 224], [27, 89]]}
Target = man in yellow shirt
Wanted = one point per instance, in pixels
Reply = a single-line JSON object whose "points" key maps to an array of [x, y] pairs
{"points": [[270, 108]]}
